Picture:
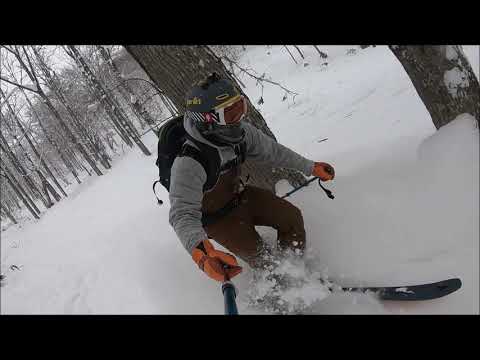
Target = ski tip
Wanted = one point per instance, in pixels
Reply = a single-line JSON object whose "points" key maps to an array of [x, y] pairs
{"points": [[455, 283]]}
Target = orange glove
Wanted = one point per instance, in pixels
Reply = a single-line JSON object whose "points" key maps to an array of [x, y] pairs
{"points": [[217, 264], [323, 171]]}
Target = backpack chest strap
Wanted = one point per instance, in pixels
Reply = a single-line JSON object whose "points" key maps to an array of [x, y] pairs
{"points": [[240, 151]]}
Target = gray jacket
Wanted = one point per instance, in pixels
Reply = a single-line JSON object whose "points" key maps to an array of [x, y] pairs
{"points": [[188, 177]]}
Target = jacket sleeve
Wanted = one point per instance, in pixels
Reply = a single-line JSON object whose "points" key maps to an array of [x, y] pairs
{"points": [[186, 194], [266, 151]]}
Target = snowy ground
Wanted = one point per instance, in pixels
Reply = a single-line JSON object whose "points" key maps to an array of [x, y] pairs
{"points": [[405, 208]]}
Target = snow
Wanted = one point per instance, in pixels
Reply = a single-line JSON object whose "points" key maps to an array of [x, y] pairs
{"points": [[92, 106], [473, 56], [455, 79], [405, 210], [451, 52], [404, 290]]}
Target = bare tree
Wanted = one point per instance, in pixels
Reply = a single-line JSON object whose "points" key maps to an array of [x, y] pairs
{"points": [[51, 79], [443, 78], [27, 66], [295, 61], [174, 69], [261, 79], [17, 164], [321, 53], [63, 156], [35, 151], [7, 212], [18, 188], [111, 106], [298, 49], [127, 93]]}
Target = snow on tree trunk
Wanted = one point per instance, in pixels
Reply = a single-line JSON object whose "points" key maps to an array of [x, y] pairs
{"points": [[175, 69], [443, 78]]}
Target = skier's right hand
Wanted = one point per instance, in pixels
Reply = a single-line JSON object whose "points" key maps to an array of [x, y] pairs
{"points": [[324, 171], [216, 264]]}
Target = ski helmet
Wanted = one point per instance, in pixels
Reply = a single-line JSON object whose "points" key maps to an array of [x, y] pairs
{"points": [[217, 109]]}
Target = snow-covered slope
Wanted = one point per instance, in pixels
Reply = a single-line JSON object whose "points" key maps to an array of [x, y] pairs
{"points": [[405, 208]]}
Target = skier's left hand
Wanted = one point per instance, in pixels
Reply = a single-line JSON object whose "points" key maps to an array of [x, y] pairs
{"points": [[323, 171]]}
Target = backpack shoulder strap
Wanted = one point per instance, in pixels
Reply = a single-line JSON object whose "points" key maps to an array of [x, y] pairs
{"points": [[242, 151], [209, 159]]}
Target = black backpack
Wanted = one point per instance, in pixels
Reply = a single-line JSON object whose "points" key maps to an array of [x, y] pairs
{"points": [[171, 143]]}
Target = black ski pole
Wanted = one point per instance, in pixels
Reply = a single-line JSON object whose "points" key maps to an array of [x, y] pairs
{"points": [[229, 295], [328, 192]]}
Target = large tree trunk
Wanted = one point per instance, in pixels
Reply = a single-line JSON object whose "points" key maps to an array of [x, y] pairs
{"points": [[174, 69], [443, 78]]}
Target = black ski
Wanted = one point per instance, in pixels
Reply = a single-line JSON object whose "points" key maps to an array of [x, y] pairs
{"points": [[410, 292]]}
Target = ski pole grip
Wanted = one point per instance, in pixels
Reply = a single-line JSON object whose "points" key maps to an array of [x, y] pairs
{"points": [[229, 295]]}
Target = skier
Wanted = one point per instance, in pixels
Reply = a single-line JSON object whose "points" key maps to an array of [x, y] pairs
{"points": [[229, 211]]}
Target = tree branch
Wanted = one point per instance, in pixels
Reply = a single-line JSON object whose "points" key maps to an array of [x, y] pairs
{"points": [[21, 86], [32, 69], [258, 78]]}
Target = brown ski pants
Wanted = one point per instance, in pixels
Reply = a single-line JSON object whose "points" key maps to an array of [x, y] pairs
{"points": [[236, 230]]}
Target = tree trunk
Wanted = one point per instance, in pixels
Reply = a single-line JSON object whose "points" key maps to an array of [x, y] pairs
{"points": [[68, 164], [9, 214], [48, 189], [34, 149], [321, 53], [174, 69], [99, 94], [111, 106], [295, 61], [65, 161], [31, 72], [20, 191], [72, 137], [52, 82], [443, 78], [298, 49], [21, 169], [136, 107], [41, 196]]}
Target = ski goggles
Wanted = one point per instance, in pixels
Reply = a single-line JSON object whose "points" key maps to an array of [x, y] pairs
{"points": [[229, 112]]}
